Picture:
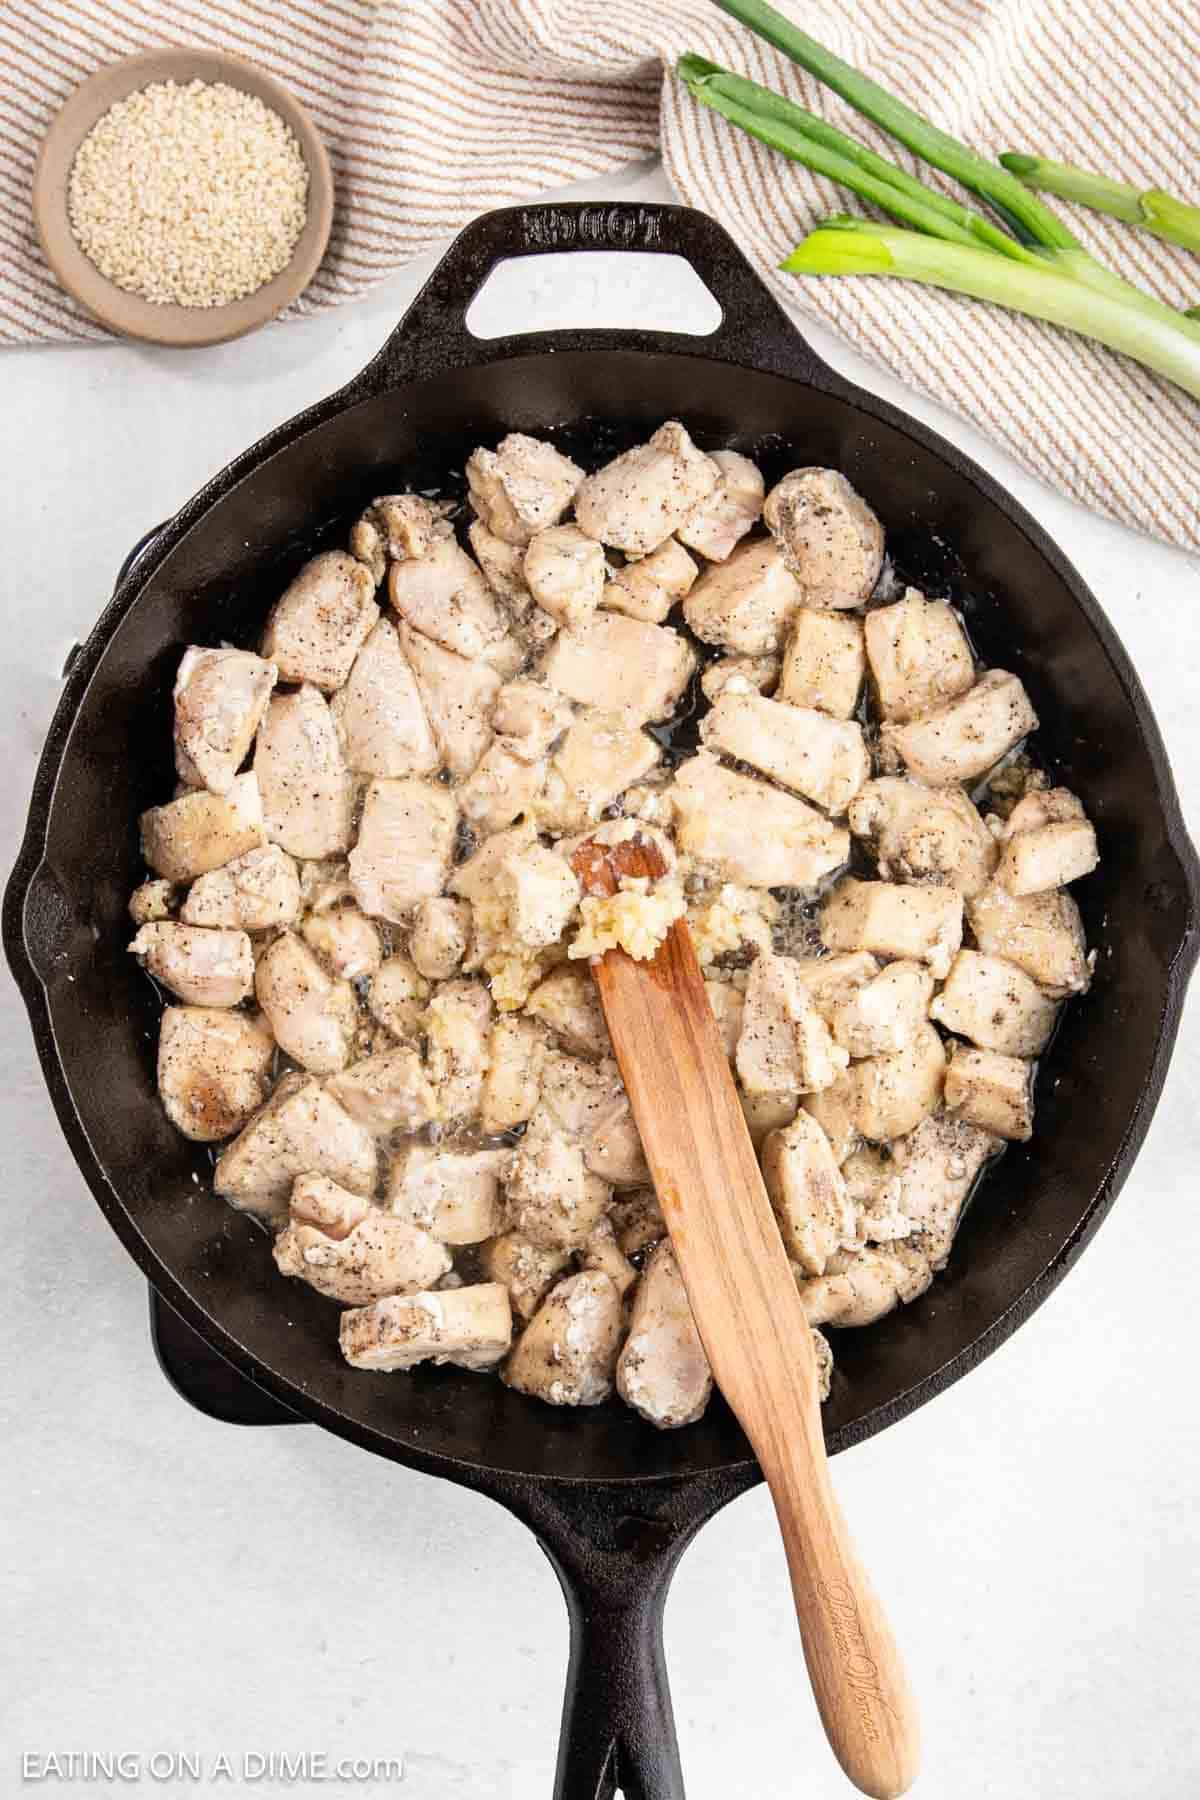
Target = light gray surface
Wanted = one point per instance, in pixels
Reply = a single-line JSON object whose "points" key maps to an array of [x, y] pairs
{"points": [[173, 1584]]}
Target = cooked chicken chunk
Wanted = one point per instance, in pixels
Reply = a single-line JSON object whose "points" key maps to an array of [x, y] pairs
{"points": [[882, 1097], [614, 1150], [378, 1256], [346, 939], [565, 571], [538, 891], [397, 997], [635, 502], [750, 833], [567, 1353], [746, 603], [324, 883], [739, 675], [307, 790], [405, 843], [1048, 842], [886, 1012], [503, 567], [468, 1326], [552, 1199], [648, 588], [440, 931], [618, 664], [823, 759], [996, 1005], [600, 756], [252, 893], [662, 1371], [924, 923], [214, 1069], [568, 1003], [501, 789], [860, 1286], [394, 527], [455, 1194], [334, 1210], [378, 714], [637, 1220], [513, 1080], [967, 736], [205, 968], [312, 1015], [155, 900], [919, 655], [527, 1271], [457, 696], [834, 1110], [475, 879], [728, 1007], [602, 1252], [320, 623], [814, 1212], [1041, 933], [529, 718], [389, 1091], [832, 980], [936, 1166], [824, 663], [831, 539], [458, 1025], [301, 1130], [521, 488], [990, 1090], [443, 595], [721, 520], [202, 831], [924, 834], [220, 696], [785, 1046]]}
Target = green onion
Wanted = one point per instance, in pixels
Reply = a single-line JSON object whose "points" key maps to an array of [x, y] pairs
{"points": [[1153, 210]]}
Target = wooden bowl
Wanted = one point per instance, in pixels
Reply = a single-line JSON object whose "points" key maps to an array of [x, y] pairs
{"points": [[129, 313]]}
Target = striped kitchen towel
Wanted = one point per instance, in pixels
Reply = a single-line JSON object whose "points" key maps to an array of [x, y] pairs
{"points": [[435, 110]]}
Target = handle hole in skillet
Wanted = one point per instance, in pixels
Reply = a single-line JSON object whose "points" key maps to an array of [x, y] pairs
{"points": [[623, 290]]}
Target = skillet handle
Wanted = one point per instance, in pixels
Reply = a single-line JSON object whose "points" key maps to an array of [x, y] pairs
{"points": [[433, 335]]}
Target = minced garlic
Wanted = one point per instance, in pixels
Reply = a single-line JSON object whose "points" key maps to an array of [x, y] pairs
{"points": [[636, 918]]}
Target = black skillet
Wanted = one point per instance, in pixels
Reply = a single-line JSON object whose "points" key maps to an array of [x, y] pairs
{"points": [[613, 1502]]}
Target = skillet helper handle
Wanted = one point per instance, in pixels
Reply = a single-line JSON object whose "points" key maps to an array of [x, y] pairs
{"points": [[433, 333]]}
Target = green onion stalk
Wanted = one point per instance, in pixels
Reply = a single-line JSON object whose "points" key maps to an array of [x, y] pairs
{"points": [[1150, 208]]}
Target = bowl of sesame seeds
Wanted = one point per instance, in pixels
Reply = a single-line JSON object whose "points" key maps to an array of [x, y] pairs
{"points": [[183, 196]]}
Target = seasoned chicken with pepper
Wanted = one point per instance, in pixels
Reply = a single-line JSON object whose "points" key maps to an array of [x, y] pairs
{"points": [[363, 903]]}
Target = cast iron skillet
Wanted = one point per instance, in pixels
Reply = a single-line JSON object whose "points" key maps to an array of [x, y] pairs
{"points": [[612, 1501]]}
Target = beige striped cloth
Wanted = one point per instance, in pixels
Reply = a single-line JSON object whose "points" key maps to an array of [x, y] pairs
{"points": [[435, 110]]}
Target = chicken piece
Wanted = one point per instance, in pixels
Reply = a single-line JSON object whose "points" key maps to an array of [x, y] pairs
{"points": [[919, 655], [393, 528], [565, 571], [824, 759], [991, 1090], [321, 622], [513, 1081], [749, 833], [721, 520], [728, 1007], [332, 1209], [527, 1271], [443, 595], [202, 831], [475, 879], [924, 834], [650, 801], [470, 1327], [458, 1023], [324, 883], [662, 1371], [824, 663], [568, 1003], [831, 540], [522, 487], [739, 675], [873, 1187], [746, 603], [503, 567], [567, 1354], [455, 1194], [501, 789], [601, 755], [1039, 806], [529, 717], [397, 997], [204, 968], [602, 1252], [806, 1189], [963, 739], [614, 1150], [301, 1130], [538, 892], [862, 1285], [405, 844], [307, 790], [378, 714], [509, 654], [220, 697], [835, 1111], [923, 923], [457, 696], [637, 1220], [886, 1012], [252, 893], [154, 901], [552, 1200], [582, 1097], [312, 1015], [996, 1005], [635, 502], [1058, 849], [890, 1095], [648, 588], [346, 939], [441, 929], [832, 980], [785, 1046], [618, 664], [1041, 933], [936, 1166], [377, 1257], [389, 1091], [214, 1069]]}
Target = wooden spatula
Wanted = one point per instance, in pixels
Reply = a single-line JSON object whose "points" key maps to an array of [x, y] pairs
{"points": [[750, 1319]]}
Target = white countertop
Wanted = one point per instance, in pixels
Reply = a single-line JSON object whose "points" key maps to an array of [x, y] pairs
{"points": [[172, 1584]]}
